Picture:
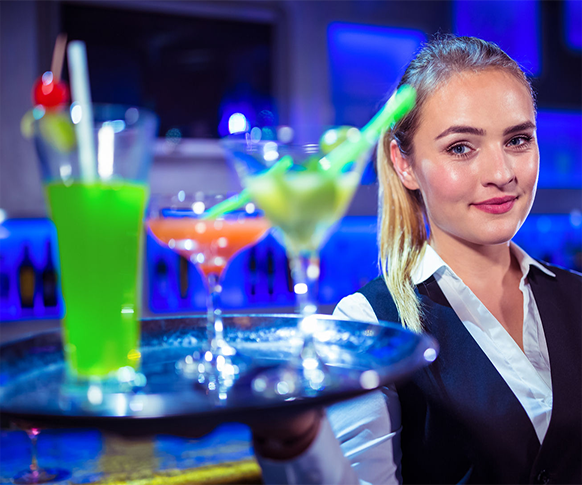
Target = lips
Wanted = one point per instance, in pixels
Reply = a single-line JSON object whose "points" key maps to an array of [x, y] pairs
{"points": [[497, 205]]}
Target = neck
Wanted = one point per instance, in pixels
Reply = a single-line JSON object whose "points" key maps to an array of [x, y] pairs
{"points": [[476, 263]]}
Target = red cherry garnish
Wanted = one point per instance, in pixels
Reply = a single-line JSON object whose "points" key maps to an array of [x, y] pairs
{"points": [[49, 93]]}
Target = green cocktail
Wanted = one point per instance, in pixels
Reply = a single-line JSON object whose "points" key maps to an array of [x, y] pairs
{"points": [[96, 189], [304, 198], [100, 232], [304, 205], [301, 192], [304, 189]]}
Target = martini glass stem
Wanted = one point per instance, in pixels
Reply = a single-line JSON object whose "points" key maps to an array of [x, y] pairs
{"points": [[220, 369], [215, 327], [33, 436], [35, 474], [305, 272]]}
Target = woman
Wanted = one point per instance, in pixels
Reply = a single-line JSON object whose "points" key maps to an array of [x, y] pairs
{"points": [[502, 402]]}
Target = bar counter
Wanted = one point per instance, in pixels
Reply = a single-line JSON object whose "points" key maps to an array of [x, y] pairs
{"points": [[90, 456]]}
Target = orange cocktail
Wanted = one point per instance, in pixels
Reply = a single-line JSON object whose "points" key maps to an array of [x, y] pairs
{"points": [[210, 244], [185, 225]]}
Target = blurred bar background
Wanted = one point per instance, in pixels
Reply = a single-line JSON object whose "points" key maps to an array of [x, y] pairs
{"points": [[307, 64]]}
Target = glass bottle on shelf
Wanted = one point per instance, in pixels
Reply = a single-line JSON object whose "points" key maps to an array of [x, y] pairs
{"points": [[4, 280], [49, 279], [26, 280]]}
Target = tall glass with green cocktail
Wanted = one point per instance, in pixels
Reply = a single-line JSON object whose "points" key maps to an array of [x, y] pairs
{"points": [[99, 221]]}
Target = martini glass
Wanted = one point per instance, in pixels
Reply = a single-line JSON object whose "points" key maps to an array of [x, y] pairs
{"points": [[304, 189], [183, 224], [304, 197], [34, 473]]}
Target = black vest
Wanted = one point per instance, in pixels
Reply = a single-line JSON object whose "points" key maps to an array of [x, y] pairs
{"points": [[460, 420]]}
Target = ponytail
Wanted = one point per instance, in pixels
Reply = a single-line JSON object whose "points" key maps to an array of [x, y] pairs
{"points": [[402, 238]]}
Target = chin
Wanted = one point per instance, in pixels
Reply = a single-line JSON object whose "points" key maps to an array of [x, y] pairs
{"points": [[495, 236]]}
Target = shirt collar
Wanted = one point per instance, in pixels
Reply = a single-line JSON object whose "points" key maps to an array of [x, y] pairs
{"points": [[526, 261], [431, 263]]}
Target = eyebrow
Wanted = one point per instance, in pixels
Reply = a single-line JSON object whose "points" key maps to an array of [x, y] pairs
{"points": [[461, 129], [528, 125]]}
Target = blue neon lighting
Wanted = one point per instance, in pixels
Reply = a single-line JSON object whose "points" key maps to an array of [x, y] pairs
{"points": [[514, 25], [573, 23], [554, 238], [559, 138], [365, 64]]}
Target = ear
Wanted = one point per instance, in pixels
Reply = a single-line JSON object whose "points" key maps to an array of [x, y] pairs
{"points": [[402, 167]]}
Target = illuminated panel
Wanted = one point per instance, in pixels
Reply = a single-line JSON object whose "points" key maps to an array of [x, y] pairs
{"points": [[513, 25], [573, 23], [554, 238], [366, 63], [559, 135]]}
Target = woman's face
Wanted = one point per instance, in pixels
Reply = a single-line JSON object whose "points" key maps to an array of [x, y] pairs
{"points": [[475, 158]]}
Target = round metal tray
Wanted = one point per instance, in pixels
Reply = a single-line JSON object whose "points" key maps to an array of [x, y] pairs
{"points": [[359, 356]]}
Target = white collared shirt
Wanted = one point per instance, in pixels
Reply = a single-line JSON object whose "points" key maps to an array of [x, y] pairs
{"points": [[526, 373], [366, 432]]}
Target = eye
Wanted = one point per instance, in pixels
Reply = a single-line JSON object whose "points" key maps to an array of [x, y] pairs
{"points": [[520, 141], [459, 150]]}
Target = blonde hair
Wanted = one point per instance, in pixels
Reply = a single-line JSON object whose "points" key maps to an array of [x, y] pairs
{"points": [[403, 226]]}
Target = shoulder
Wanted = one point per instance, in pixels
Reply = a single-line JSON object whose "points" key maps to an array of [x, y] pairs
{"points": [[562, 275], [370, 303], [375, 288], [559, 292], [355, 307], [380, 299]]}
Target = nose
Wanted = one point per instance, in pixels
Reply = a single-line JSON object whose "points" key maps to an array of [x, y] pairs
{"points": [[498, 168]]}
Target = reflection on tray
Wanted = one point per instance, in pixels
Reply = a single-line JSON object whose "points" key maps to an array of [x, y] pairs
{"points": [[360, 356]]}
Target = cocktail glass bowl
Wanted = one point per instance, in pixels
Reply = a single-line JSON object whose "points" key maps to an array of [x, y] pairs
{"points": [[304, 195], [181, 223]]}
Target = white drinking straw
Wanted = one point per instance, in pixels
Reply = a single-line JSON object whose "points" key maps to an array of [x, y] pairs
{"points": [[58, 56], [81, 97]]}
